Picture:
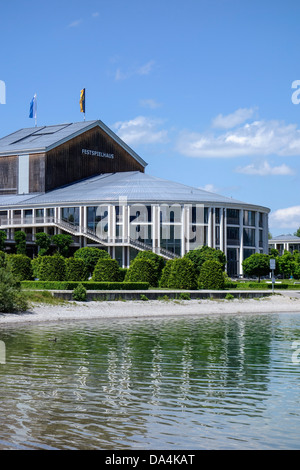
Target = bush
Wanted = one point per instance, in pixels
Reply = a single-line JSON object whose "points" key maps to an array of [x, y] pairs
{"points": [[20, 241], [257, 264], [11, 296], [106, 270], [157, 259], [184, 296], [76, 270], [62, 242], [43, 241], [3, 259], [211, 275], [91, 255], [20, 266], [142, 270], [35, 265], [79, 293], [89, 285], [52, 268], [205, 253], [164, 280], [182, 274], [229, 296]]}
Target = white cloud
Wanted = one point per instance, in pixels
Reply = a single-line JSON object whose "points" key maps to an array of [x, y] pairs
{"points": [[75, 23], [285, 218], [234, 119], [211, 188], [260, 138], [94, 15], [141, 130], [144, 69], [150, 103], [265, 169]]}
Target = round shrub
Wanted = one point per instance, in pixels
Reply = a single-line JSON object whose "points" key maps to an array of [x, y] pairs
{"points": [[11, 296], [142, 270], [157, 259], [20, 266], [79, 293], [182, 274], [106, 270], [211, 275], [76, 270], [35, 265], [52, 268], [164, 279], [90, 255], [205, 253]]}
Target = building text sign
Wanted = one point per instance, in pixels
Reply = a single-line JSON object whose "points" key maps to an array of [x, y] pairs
{"points": [[96, 153]]}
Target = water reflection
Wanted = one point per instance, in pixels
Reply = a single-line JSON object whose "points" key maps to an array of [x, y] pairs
{"points": [[212, 382]]}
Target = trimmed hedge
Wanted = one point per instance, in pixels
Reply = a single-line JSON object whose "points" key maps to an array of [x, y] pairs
{"points": [[76, 270], [89, 285], [211, 275], [182, 274], [106, 270], [164, 280], [142, 270], [20, 266], [52, 268], [91, 255]]}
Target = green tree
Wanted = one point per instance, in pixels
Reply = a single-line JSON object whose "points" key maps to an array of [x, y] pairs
{"points": [[76, 270], [106, 270], [90, 255], [164, 279], [183, 274], [257, 264], [157, 259], [43, 241], [52, 268], [11, 296], [20, 266], [297, 234], [2, 240], [286, 264], [20, 241], [63, 242], [142, 270], [200, 255], [211, 275]]}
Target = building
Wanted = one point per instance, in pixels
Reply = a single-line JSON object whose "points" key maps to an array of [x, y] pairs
{"points": [[82, 179], [285, 242]]}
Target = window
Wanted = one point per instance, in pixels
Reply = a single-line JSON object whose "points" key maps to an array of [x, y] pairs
{"points": [[249, 237], [70, 214], [233, 236], [249, 218], [233, 216], [217, 215]]}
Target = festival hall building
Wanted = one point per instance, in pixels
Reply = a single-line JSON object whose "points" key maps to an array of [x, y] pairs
{"points": [[82, 179]]}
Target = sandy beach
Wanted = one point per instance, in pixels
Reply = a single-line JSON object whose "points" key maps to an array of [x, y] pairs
{"points": [[285, 302]]}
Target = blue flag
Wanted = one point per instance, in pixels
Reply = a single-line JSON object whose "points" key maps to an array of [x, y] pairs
{"points": [[33, 107]]}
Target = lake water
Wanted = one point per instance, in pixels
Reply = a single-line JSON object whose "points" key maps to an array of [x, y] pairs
{"points": [[214, 382]]}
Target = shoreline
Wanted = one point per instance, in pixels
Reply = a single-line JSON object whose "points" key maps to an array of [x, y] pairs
{"points": [[279, 303]]}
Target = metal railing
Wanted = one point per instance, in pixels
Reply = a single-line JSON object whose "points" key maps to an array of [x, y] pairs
{"points": [[76, 230]]}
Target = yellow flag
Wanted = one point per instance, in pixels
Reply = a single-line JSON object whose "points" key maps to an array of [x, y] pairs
{"points": [[82, 101]]}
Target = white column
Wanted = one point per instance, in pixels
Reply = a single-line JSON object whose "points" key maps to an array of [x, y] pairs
{"points": [[241, 249], [222, 230]]}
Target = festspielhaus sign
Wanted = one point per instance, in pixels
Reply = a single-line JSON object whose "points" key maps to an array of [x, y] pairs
{"points": [[96, 153]]}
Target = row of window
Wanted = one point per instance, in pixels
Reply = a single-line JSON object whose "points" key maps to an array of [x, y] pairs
{"points": [[172, 214]]}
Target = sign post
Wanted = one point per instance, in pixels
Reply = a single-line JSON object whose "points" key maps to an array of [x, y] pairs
{"points": [[272, 268]]}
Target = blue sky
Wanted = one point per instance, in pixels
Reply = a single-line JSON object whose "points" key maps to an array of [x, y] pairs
{"points": [[201, 89]]}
